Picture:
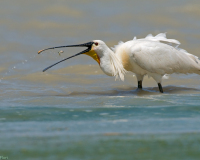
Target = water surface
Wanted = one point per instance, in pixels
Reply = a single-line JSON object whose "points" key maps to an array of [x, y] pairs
{"points": [[74, 111]]}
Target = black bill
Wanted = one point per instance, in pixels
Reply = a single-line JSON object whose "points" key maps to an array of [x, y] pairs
{"points": [[89, 45]]}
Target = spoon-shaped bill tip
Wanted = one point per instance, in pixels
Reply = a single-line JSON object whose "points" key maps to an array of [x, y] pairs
{"points": [[40, 51]]}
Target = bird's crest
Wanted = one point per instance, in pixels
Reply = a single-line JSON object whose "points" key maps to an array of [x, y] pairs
{"points": [[117, 67]]}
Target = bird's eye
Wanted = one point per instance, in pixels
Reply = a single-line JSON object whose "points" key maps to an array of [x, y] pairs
{"points": [[96, 44]]}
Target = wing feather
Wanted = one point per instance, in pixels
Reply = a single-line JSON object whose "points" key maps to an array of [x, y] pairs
{"points": [[161, 58]]}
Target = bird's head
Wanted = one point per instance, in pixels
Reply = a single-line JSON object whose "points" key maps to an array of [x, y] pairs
{"points": [[94, 49]]}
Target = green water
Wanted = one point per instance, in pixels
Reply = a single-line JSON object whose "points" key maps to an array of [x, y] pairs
{"points": [[125, 146], [153, 129]]}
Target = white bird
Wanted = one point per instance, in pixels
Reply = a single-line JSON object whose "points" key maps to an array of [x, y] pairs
{"points": [[152, 56]]}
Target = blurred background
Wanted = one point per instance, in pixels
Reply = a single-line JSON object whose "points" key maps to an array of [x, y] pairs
{"points": [[73, 110]]}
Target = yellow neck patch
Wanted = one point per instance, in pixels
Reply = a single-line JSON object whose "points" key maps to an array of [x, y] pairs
{"points": [[94, 55]]}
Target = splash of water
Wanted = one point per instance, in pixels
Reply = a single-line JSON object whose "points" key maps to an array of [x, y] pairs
{"points": [[10, 70]]}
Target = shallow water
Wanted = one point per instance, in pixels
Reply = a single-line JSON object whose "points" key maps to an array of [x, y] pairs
{"points": [[74, 111]]}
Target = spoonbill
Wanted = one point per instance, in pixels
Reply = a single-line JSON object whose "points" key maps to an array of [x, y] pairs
{"points": [[152, 56]]}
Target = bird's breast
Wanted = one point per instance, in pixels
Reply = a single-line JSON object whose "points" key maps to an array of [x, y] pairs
{"points": [[129, 63], [125, 59]]}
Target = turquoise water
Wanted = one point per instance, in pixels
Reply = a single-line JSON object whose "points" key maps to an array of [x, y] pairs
{"points": [[74, 111], [103, 127]]}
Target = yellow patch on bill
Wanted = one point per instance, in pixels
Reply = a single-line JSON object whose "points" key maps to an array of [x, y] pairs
{"points": [[94, 55]]}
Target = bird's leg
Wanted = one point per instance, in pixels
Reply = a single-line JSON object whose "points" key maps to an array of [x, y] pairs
{"points": [[160, 87], [139, 79], [158, 79], [140, 84]]}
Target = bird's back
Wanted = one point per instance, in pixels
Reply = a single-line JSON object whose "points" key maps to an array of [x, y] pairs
{"points": [[152, 54]]}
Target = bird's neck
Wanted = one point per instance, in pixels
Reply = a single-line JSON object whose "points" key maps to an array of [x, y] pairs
{"points": [[111, 64]]}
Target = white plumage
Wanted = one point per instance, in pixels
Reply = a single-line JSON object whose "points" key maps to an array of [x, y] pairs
{"points": [[153, 56]]}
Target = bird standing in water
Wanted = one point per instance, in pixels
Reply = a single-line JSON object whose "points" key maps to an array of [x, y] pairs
{"points": [[152, 56]]}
